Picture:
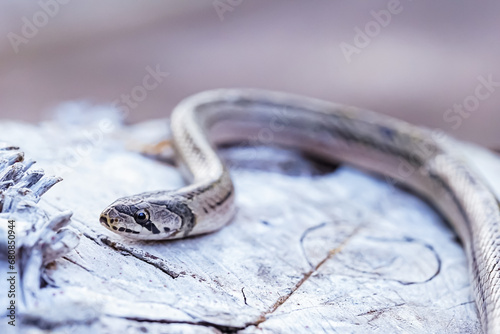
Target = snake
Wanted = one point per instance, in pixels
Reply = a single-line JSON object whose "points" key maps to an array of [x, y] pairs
{"points": [[426, 161]]}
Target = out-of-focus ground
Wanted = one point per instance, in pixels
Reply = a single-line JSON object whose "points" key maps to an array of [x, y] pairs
{"points": [[418, 64]]}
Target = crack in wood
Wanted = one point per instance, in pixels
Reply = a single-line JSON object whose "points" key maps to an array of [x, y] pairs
{"points": [[462, 304], [222, 328], [378, 312], [281, 300], [244, 297], [142, 256], [46, 324], [404, 240], [78, 264], [303, 237]]}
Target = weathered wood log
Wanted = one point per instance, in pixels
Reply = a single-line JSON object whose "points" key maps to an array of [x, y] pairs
{"points": [[312, 248], [28, 238]]}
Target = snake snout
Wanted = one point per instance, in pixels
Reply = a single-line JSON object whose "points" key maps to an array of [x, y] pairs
{"points": [[104, 220]]}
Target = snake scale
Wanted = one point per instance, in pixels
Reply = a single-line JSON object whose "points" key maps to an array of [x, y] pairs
{"points": [[429, 165]]}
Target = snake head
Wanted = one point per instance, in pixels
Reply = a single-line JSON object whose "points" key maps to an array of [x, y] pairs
{"points": [[139, 217]]}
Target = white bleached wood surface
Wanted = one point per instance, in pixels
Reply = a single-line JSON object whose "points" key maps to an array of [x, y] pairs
{"points": [[311, 248]]}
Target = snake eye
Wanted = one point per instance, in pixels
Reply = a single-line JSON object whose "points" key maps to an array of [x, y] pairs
{"points": [[141, 216]]}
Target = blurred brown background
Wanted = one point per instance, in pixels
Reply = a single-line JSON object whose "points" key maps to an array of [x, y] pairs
{"points": [[415, 65]]}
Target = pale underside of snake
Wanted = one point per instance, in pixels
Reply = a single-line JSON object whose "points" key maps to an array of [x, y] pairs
{"points": [[428, 164]]}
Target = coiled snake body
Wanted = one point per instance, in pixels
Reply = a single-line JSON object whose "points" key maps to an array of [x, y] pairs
{"points": [[411, 155]]}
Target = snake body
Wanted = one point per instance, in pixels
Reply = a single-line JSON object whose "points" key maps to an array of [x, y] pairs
{"points": [[414, 156]]}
